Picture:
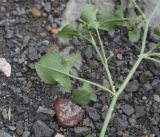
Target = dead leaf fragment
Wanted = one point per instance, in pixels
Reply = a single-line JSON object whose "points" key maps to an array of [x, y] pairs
{"points": [[146, 135], [55, 31], [36, 12]]}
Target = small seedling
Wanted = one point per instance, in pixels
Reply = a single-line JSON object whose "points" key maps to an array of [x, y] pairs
{"points": [[53, 68]]}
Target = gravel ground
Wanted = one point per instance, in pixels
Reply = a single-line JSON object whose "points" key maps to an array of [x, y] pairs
{"points": [[23, 39]]}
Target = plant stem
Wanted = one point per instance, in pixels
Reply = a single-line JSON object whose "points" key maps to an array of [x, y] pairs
{"points": [[92, 83], [115, 98], [96, 49], [138, 8], [124, 19], [102, 58], [102, 47], [152, 59], [109, 76], [80, 79], [85, 38], [129, 76], [153, 48], [154, 11], [145, 36], [154, 54], [147, 26]]}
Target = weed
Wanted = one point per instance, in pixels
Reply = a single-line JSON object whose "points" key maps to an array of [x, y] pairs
{"points": [[53, 68]]}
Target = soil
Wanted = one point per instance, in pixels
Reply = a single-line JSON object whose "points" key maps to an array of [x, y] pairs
{"points": [[24, 39]]}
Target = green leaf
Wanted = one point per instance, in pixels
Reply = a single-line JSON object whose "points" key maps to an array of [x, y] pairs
{"points": [[53, 68], [88, 15], [109, 20], [120, 11], [134, 34], [84, 95], [157, 30], [68, 32]]}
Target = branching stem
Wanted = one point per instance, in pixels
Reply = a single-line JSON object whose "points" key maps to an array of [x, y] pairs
{"points": [[138, 8], [109, 76], [134, 68], [92, 83], [101, 55]]}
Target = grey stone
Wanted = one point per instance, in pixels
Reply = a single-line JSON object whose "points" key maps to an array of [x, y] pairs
{"points": [[87, 122], [88, 52], [4, 134], [155, 130], [81, 131], [44, 110], [147, 86], [26, 134], [132, 121], [47, 7], [66, 51], [12, 128], [19, 128], [132, 86], [50, 18], [5, 114], [9, 34], [106, 83], [41, 129], [20, 11], [26, 40], [32, 53], [20, 109], [156, 98], [92, 112], [73, 10], [2, 9], [121, 124], [139, 111], [127, 109], [45, 42], [26, 100], [119, 56], [2, 22]]}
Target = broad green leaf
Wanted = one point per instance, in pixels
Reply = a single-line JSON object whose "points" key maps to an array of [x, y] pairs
{"points": [[69, 62], [133, 35], [68, 32], [157, 30], [120, 11], [53, 68], [81, 27], [88, 15], [109, 20], [84, 95]]}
